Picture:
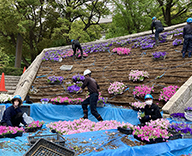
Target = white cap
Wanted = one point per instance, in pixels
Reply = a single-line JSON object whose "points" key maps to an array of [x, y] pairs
{"points": [[86, 72]]}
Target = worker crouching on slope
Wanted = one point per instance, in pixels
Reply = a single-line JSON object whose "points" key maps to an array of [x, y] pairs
{"points": [[158, 29], [187, 35], [13, 115], [76, 45], [151, 110], [92, 99]]}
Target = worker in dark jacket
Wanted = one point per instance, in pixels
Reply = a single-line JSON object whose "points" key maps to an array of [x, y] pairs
{"points": [[13, 115], [76, 45], [151, 111], [158, 29], [92, 99], [187, 35]]}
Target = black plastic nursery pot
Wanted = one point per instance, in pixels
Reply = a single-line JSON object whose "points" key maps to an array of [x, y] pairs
{"points": [[32, 129], [58, 103], [18, 134], [125, 130], [151, 141]]}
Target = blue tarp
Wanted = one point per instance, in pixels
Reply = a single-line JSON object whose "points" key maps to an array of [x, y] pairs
{"points": [[98, 143]]}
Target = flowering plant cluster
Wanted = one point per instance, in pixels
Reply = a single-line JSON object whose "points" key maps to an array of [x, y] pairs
{"points": [[168, 92], [122, 51], [73, 88], [67, 100], [78, 77], [10, 130], [55, 79], [188, 109], [138, 104], [141, 91], [81, 125], [35, 124], [152, 130], [178, 115], [136, 75], [177, 42], [181, 128], [45, 99], [5, 97], [159, 55], [116, 88]]}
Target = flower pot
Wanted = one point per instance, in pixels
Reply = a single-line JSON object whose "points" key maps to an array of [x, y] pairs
{"points": [[58, 103], [44, 102], [176, 135], [151, 141], [11, 135], [55, 83], [186, 136], [125, 130], [32, 129]]}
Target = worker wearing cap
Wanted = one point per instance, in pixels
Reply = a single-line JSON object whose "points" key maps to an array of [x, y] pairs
{"points": [[76, 45], [151, 110], [13, 115], [158, 29], [187, 35], [93, 87]]}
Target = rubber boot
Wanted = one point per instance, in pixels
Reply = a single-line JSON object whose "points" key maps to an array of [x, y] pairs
{"points": [[157, 42], [73, 57], [183, 54], [189, 55], [99, 118]]}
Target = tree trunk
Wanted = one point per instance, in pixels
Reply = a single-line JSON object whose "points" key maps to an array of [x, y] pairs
{"points": [[18, 51]]}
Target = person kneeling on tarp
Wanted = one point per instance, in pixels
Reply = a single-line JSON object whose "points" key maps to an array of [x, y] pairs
{"points": [[151, 110], [13, 115]]}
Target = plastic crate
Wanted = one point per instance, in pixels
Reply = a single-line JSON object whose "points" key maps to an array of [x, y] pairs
{"points": [[56, 138], [43, 147], [125, 130]]}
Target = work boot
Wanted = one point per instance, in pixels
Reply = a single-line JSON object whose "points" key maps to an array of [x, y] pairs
{"points": [[84, 117], [183, 54], [99, 118], [189, 55], [74, 57], [157, 42]]}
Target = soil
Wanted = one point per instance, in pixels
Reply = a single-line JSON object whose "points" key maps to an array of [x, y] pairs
{"points": [[109, 67]]}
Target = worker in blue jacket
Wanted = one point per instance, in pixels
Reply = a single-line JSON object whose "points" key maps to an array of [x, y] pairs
{"points": [[13, 115], [187, 35], [151, 110], [76, 45], [158, 29]]}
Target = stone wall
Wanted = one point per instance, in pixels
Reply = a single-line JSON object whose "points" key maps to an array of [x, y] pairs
{"points": [[29, 75]]}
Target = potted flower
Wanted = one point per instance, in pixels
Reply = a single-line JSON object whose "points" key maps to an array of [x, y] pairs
{"points": [[55, 79], [167, 92], [44, 100], [73, 88], [5, 98], [122, 51], [159, 55], [10, 132], [101, 101], [116, 88], [177, 42], [34, 126], [136, 75], [184, 129], [138, 105], [141, 91], [126, 129], [178, 116], [78, 77]]}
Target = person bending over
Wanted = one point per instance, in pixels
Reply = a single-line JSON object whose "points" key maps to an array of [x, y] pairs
{"points": [[93, 87]]}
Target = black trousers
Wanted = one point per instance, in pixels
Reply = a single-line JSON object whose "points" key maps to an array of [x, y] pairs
{"points": [[77, 46], [15, 120], [92, 100]]}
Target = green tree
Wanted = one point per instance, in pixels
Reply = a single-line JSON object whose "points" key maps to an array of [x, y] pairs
{"points": [[173, 9], [131, 16]]}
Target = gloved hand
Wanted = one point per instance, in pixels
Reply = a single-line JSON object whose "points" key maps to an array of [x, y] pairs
{"points": [[26, 125]]}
